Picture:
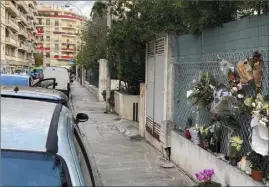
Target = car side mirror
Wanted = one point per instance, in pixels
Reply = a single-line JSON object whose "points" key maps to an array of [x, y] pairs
{"points": [[71, 81], [81, 117]]}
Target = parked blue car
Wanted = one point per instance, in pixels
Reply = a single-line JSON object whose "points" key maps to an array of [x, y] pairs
{"points": [[15, 80]]}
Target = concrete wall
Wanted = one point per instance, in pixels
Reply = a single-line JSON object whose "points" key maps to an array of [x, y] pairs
{"points": [[102, 78], [124, 104], [242, 35], [142, 111], [193, 159]]}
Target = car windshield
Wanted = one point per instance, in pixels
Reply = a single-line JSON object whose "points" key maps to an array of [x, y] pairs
{"points": [[32, 169], [14, 81]]}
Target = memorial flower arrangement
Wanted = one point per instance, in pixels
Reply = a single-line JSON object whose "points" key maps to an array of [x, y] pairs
{"points": [[202, 93], [258, 107]]}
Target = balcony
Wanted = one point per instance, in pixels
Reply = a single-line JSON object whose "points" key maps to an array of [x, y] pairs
{"points": [[11, 8], [23, 18], [23, 47], [11, 41], [65, 33], [69, 26], [68, 49], [23, 32], [11, 57], [30, 15], [43, 48], [23, 5], [68, 17], [23, 61], [64, 57], [12, 24]]}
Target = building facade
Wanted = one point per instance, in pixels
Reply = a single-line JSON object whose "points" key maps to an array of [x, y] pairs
{"points": [[18, 28], [58, 34]]}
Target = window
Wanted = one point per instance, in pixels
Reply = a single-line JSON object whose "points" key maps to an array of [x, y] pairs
{"points": [[47, 45], [47, 54], [39, 21], [56, 29], [81, 154], [56, 46], [47, 32], [47, 38], [20, 168], [47, 21], [82, 160], [57, 23]]}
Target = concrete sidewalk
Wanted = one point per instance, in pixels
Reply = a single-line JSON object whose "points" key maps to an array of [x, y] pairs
{"points": [[121, 157]]}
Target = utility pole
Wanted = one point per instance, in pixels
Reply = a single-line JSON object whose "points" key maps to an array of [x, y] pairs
{"points": [[108, 80]]}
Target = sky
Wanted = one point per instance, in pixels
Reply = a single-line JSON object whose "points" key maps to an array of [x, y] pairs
{"points": [[84, 6]]}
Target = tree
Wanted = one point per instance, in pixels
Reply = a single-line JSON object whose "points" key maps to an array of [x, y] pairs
{"points": [[38, 57]]}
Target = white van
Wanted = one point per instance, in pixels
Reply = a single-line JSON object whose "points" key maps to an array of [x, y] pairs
{"points": [[62, 77]]}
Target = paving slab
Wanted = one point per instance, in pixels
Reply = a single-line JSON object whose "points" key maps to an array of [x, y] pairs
{"points": [[121, 156]]}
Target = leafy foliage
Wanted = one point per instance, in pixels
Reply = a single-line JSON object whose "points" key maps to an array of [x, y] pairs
{"points": [[136, 22], [38, 57]]}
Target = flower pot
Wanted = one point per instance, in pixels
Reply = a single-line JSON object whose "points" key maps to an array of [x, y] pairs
{"points": [[257, 175]]}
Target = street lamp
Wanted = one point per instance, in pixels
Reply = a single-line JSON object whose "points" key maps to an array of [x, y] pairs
{"points": [[67, 6]]}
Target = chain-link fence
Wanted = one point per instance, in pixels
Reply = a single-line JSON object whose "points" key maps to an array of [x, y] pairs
{"points": [[92, 76], [187, 69]]}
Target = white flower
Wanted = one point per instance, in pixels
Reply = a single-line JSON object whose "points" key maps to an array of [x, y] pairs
{"points": [[235, 89], [240, 96], [189, 93], [264, 119], [211, 86], [253, 104], [262, 122]]}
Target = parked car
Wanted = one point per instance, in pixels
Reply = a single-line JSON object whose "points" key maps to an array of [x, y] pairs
{"points": [[41, 145], [62, 77], [25, 80], [42, 94], [17, 80]]}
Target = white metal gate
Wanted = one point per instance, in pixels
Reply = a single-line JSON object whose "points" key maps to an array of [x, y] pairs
{"points": [[155, 72]]}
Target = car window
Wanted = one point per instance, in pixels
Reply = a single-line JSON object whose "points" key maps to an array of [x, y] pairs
{"points": [[19, 168], [82, 160]]}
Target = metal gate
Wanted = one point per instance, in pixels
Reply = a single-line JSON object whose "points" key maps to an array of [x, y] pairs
{"points": [[155, 72]]}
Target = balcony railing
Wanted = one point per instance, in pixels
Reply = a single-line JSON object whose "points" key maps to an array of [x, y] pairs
{"points": [[12, 24], [23, 32], [43, 48], [67, 17], [23, 5], [9, 5], [64, 33], [23, 46], [11, 41], [23, 61], [11, 57], [23, 18], [68, 49]]}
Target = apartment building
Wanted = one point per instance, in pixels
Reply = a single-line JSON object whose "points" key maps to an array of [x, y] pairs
{"points": [[18, 33], [58, 34]]}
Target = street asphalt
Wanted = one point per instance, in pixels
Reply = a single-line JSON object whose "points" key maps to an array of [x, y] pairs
{"points": [[118, 155]]}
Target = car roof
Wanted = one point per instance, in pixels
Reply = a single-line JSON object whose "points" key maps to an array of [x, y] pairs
{"points": [[34, 92], [25, 123], [15, 75]]}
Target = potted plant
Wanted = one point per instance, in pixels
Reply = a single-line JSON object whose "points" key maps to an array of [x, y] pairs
{"points": [[205, 137], [204, 178], [235, 149], [257, 165]]}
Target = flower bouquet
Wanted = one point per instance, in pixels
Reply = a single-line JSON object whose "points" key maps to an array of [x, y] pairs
{"points": [[202, 94], [205, 178], [259, 108]]}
